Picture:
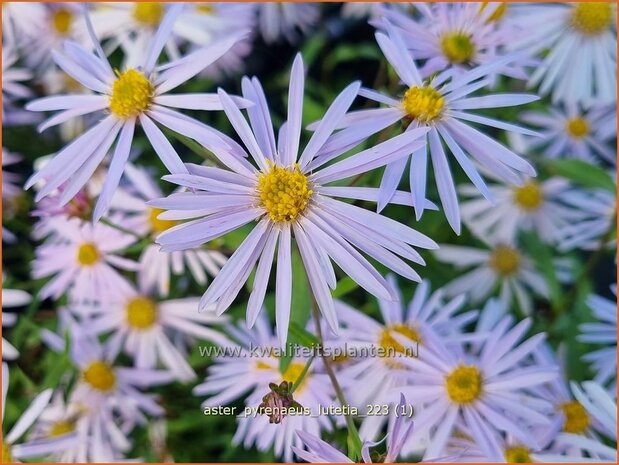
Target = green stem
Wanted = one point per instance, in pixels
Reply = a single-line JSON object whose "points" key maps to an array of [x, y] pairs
{"points": [[299, 380]]}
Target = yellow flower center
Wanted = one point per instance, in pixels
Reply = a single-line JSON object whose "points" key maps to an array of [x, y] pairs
{"points": [[205, 8], [505, 260], [457, 47], [592, 18], [158, 226], [293, 373], [577, 127], [6, 451], [576, 417], [529, 197], [260, 365], [62, 20], [148, 13], [87, 254], [517, 454], [61, 428], [132, 94], [497, 14], [464, 384], [100, 376], [389, 343], [423, 103], [141, 312], [284, 193]]}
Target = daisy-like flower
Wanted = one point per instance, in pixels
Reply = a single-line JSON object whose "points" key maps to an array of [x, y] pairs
{"points": [[440, 105], [483, 394], [13, 88], [11, 298], [602, 332], [83, 261], [21, 20], [153, 332], [12, 451], [536, 206], [380, 375], [156, 266], [10, 187], [501, 265], [281, 20], [289, 197], [457, 36], [572, 132], [135, 95], [580, 66], [398, 432]]}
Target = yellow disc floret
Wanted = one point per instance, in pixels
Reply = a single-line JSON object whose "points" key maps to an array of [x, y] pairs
{"points": [[157, 225], [132, 94], [87, 254], [148, 13], [576, 417], [141, 312], [284, 193], [577, 127], [388, 342], [457, 47], [497, 14], [62, 19], [100, 376], [505, 260], [293, 373], [6, 451], [464, 384], [517, 454], [592, 18], [529, 197], [423, 104], [61, 428], [205, 8]]}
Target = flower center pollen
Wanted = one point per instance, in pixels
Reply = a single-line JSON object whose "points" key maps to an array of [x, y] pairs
{"points": [[141, 313], [497, 14], [148, 13], [457, 47], [61, 428], [389, 343], [6, 451], [87, 254], [62, 20], [293, 373], [284, 193], [577, 127], [423, 103], [592, 18], [158, 226], [517, 454], [576, 417], [100, 376], [464, 384], [205, 8], [505, 260], [132, 94], [529, 197]]}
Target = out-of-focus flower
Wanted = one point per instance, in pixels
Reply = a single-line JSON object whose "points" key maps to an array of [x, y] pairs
{"points": [[360, 10], [152, 332], [535, 206], [14, 88], [13, 451], [135, 95], [603, 332], [11, 298], [21, 21], [483, 394], [441, 106], [501, 265], [573, 133], [581, 63], [281, 20], [83, 260], [288, 196], [10, 189]]}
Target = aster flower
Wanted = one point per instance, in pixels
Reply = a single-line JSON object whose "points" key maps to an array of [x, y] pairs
{"points": [[21, 20], [135, 95], [153, 332], [500, 265], [534, 206], [572, 132], [11, 298], [319, 451], [83, 260], [281, 20], [14, 88], [440, 105], [10, 188], [289, 197], [12, 451], [580, 66], [602, 332], [483, 394]]}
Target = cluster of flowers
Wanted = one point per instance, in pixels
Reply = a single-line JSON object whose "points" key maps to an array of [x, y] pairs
{"points": [[482, 390]]}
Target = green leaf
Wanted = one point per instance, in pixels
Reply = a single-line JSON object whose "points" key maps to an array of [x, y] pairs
{"points": [[301, 294], [302, 336], [344, 286], [583, 174]]}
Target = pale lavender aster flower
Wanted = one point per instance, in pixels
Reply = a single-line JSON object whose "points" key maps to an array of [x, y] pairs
{"points": [[483, 394], [21, 21], [441, 106], [289, 197], [572, 132], [11, 298], [282, 20], [136, 95], [14, 88], [602, 332], [581, 40]]}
